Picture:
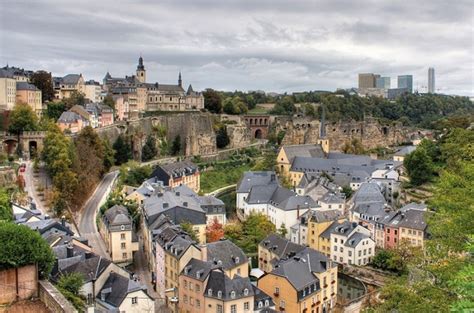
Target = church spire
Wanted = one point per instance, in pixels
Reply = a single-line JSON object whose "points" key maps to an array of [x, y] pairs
{"points": [[140, 66], [180, 81]]}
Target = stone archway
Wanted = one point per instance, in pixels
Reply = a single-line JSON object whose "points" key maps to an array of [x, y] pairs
{"points": [[33, 148], [258, 134], [10, 146]]}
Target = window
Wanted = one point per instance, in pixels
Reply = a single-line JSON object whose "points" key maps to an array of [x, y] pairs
{"points": [[191, 287], [185, 284], [185, 299], [335, 248], [219, 294], [122, 236], [370, 250], [233, 308], [282, 304], [124, 255], [395, 231], [134, 300], [198, 303], [123, 245], [267, 303], [277, 290], [246, 292], [209, 292], [198, 288], [342, 241], [365, 251], [246, 306], [232, 294], [191, 301], [341, 249], [360, 252], [335, 240], [341, 260], [260, 304], [350, 253], [238, 271]]}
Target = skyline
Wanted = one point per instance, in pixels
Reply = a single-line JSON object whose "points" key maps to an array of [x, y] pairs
{"points": [[241, 45]]}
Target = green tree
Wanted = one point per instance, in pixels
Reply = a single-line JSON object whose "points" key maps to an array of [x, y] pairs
{"points": [[44, 82], [282, 231], [212, 101], [188, 228], [149, 150], [347, 190], [109, 101], [55, 109], [22, 118], [71, 282], [109, 155], [176, 145], [222, 138], [6, 213], [123, 150], [76, 98], [20, 245], [254, 229], [419, 166], [133, 174], [70, 286]]}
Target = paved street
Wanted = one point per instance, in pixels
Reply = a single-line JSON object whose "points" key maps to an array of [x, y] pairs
{"points": [[87, 223], [30, 188]]}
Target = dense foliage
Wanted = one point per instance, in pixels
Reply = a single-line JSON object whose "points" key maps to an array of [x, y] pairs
{"points": [[44, 82], [248, 234], [149, 150], [20, 246], [222, 138], [74, 166], [425, 110], [443, 280], [132, 174], [123, 150], [70, 285], [22, 118], [6, 213]]}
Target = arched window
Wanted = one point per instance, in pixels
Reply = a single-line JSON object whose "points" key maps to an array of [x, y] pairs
{"points": [[246, 292], [219, 294], [232, 294], [209, 292]]}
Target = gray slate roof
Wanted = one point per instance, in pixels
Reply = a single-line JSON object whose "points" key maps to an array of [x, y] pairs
{"points": [[405, 150], [90, 269], [70, 117], [117, 216], [368, 193], [218, 281], [226, 254], [310, 150], [117, 287], [198, 269], [325, 216], [71, 79], [25, 86], [280, 246], [251, 179]]}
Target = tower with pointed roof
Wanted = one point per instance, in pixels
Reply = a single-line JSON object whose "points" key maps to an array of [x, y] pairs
{"points": [[180, 81], [141, 72], [323, 141]]}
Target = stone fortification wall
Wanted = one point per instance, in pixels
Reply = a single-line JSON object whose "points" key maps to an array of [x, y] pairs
{"points": [[370, 132]]}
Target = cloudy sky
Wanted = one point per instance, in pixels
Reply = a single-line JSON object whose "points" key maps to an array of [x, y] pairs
{"points": [[273, 45]]}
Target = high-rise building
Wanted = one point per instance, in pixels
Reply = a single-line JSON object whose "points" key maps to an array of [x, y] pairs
{"points": [[382, 82], [367, 80], [431, 80], [406, 81]]}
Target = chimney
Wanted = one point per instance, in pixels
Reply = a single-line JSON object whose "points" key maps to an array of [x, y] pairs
{"points": [[185, 204], [203, 252], [63, 220], [69, 252]]}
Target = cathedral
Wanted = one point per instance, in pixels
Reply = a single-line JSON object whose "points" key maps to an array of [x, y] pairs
{"points": [[137, 96]]}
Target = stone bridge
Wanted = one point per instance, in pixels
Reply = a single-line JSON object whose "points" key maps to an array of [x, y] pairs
{"points": [[28, 144]]}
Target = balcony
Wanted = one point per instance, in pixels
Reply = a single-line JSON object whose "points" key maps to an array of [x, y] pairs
{"points": [[276, 294]]}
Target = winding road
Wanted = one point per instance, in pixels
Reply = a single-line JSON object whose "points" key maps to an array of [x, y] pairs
{"points": [[87, 224]]}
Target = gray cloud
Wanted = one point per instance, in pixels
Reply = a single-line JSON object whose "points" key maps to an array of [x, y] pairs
{"points": [[275, 45]]}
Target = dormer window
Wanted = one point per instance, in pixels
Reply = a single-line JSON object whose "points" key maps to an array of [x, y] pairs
{"points": [[219, 294], [260, 304], [209, 292], [122, 227], [237, 259], [232, 294], [267, 303], [246, 292]]}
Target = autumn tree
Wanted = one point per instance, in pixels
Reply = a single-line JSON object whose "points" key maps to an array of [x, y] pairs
{"points": [[44, 82], [214, 231], [254, 229]]}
